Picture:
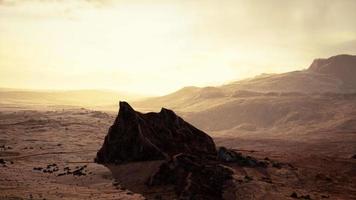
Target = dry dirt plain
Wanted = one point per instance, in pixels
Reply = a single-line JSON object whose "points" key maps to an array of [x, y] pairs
{"points": [[48, 154]]}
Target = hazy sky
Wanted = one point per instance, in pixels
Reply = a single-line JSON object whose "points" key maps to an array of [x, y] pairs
{"points": [[156, 47]]}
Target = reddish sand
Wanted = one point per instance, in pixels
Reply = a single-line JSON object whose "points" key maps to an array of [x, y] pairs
{"points": [[318, 166]]}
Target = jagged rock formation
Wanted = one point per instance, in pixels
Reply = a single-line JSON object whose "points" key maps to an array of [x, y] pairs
{"points": [[152, 136], [190, 163]]}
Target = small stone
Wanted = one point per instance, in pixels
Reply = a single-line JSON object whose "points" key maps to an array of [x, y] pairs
{"points": [[294, 195]]}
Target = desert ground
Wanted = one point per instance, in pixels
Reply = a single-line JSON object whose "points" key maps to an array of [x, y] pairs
{"points": [[48, 153]]}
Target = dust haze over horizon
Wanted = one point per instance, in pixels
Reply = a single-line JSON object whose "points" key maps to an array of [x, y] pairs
{"points": [[157, 47]]}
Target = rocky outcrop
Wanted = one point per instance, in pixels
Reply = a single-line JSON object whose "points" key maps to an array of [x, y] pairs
{"points": [[189, 160], [135, 136], [342, 67]]}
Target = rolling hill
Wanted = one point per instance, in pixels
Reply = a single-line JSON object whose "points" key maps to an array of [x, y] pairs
{"points": [[320, 98]]}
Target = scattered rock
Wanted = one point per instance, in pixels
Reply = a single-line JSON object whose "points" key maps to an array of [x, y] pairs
{"points": [[80, 171], [277, 165], [51, 168], [37, 168], [61, 174], [3, 162], [4, 147], [294, 195], [227, 155], [248, 178], [116, 183]]}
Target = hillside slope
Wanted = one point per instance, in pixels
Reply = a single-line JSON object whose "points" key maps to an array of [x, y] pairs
{"points": [[320, 98], [336, 74]]}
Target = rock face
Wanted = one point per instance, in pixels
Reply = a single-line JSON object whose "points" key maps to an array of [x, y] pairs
{"points": [[152, 136], [342, 67]]}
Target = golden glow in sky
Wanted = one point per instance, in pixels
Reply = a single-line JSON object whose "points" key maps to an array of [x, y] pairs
{"points": [[156, 47]]}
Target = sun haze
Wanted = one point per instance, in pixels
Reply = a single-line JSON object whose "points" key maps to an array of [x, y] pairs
{"points": [[156, 47]]}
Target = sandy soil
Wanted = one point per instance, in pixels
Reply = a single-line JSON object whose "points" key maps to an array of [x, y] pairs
{"points": [[67, 138], [63, 142]]}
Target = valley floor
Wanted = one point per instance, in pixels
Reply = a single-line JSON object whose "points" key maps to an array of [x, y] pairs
{"points": [[49, 155]]}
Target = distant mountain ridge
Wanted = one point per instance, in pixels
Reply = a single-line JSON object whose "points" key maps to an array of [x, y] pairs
{"points": [[79, 98], [336, 74], [321, 97]]}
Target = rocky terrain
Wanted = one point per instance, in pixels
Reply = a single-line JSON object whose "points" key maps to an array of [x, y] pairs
{"points": [[49, 155], [286, 136]]}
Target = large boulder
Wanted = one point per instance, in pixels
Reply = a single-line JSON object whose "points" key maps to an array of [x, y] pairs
{"points": [[135, 136]]}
